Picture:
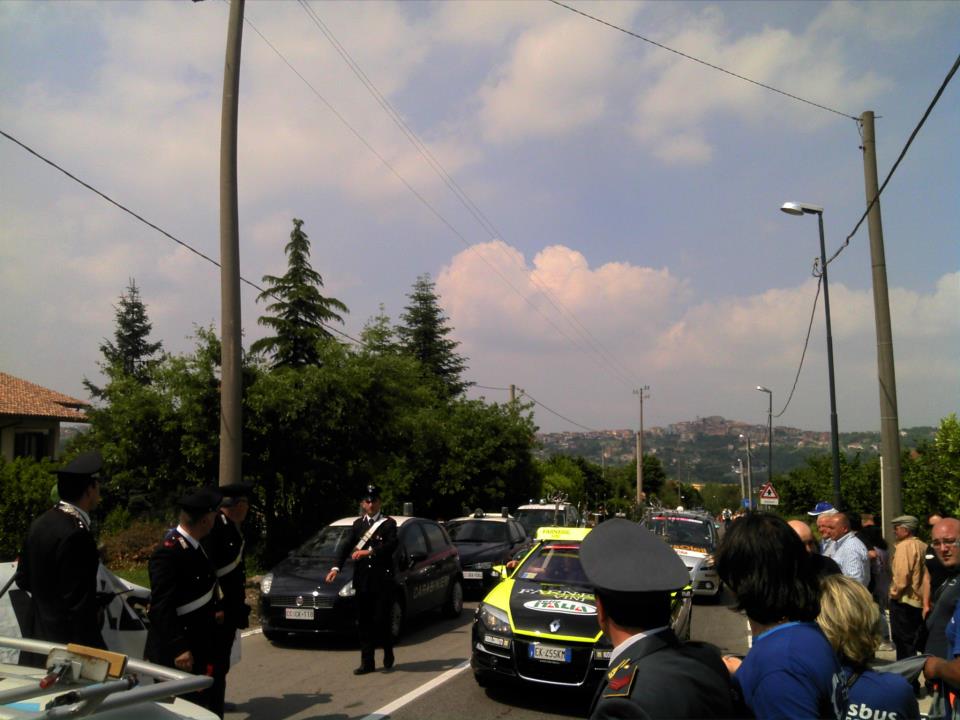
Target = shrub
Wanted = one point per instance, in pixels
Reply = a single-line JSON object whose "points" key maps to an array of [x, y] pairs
{"points": [[133, 545], [24, 494]]}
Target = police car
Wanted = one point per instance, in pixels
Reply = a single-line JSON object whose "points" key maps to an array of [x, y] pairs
{"points": [[539, 624], [693, 536], [484, 540]]}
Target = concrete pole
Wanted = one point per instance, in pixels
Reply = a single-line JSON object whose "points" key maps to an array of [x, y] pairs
{"points": [[641, 392], [891, 484], [743, 487], [231, 390]]}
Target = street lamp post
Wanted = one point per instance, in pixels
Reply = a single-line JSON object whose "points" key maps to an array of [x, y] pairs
{"points": [[769, 392], [805, 209]]}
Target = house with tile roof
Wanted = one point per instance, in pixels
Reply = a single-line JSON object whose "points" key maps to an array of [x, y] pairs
{"points": [[30, 417]]}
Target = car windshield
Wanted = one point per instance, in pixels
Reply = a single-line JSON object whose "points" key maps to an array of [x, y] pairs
{"points": [[554, 562], [532, 520], [683, 531], [328, 543], [477, 531]]}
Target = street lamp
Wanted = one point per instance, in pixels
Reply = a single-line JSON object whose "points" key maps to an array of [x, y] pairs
{"points": [[769, 392], [806, 209]]}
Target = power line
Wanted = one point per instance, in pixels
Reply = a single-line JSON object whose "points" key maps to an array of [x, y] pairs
{"points": [[562, 417], [806, 342], [487, 387], [589, 340], [936, 98], [702, 62], [154, 226]]}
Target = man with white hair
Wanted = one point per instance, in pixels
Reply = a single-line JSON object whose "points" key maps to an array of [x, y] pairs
{"points": [[845, 547]]}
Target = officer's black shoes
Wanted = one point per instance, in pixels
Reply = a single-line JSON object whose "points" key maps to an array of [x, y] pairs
{"points": [[388, 660], [363, 670]]}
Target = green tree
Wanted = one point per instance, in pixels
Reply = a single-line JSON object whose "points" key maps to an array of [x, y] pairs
{"points": [[423, 335], [931, 472], [25, 486], [131, 353], [562, 474], [378, 335], [300, 312]]}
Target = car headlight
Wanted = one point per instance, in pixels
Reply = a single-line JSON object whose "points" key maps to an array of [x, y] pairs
{"points": [[266, 582], [347, 590], [494, 619], [481, 566]]}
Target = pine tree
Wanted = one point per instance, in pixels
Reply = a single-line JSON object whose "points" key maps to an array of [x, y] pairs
{"points": [[299, 310], [423, 335], [131, 353], [378, 336]]}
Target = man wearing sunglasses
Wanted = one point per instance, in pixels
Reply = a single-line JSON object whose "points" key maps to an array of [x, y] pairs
{"points": [[943, 622]]}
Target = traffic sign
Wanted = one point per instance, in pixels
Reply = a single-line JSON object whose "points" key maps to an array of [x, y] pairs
{"points": [[768, 495]]}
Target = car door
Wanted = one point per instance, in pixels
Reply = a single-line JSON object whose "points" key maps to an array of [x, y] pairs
{"points": [[414, 567], [444, 563]]}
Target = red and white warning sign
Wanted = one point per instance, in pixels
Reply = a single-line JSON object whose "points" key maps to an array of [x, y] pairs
{"points": [[768, 495]]}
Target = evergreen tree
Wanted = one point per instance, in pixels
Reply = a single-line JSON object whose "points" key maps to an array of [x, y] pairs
{"points": [[131, 354], [424, 336], [378, 336], [299, 310]]}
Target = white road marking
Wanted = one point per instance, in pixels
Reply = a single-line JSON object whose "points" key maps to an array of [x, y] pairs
{"points": [[414, 694], [248, 633]]}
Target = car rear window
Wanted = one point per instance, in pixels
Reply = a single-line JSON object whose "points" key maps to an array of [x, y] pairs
{"points": [[436, 537], [683, 531], [554, 562], [477, 531], [531, 520]]}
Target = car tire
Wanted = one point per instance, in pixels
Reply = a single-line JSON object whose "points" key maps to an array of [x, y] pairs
{"points": [[397, 620], [481, 679], [454, 604], [272, 635]]}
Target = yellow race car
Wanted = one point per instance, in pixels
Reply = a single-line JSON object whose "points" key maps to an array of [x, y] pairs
{"points": [[539, 623]]}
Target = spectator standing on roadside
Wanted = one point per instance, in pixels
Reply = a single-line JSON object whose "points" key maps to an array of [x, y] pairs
{"points": [[791, 671], [823, 565], [906, 586], [845, 547], [946, 543], [936, 572], [851, 619]]}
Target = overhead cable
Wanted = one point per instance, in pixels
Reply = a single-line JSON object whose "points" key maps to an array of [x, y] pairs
{"points": [[562, 417], [806, 343]]}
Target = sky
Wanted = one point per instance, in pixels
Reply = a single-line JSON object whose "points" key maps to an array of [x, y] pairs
{"points": [[605, 217]]}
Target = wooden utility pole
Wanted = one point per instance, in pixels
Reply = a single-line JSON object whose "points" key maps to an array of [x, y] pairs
{"points": [[231, 389], [891, 487]]}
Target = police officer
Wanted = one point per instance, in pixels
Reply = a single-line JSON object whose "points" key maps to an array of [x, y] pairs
{"points": [[371, 546], [59, 563], [652, 674], [224, 545], [185, 597]]}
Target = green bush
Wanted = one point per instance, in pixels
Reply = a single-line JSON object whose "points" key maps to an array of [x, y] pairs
{"points": [[24, 494], [133, 545]]}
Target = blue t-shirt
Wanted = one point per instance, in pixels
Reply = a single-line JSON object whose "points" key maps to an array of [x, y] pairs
{"points": [[792, 672], [881, 696]]}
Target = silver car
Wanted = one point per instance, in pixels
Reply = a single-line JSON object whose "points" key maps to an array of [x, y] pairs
{"points": [[694, 537]]}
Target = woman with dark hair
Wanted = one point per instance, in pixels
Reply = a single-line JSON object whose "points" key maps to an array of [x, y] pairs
{"points": [[791, 671]]}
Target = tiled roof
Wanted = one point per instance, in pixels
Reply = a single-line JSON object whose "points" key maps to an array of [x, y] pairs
{"points": [[19, 397]]}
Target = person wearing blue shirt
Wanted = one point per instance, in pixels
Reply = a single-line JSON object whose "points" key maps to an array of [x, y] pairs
{"points": [[851, 621], [791, 671]]}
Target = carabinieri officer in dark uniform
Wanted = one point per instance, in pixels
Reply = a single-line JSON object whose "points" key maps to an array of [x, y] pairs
{"points": [[652, 673], [59, 563], [371, 545], [185, 597], [224, 545]]}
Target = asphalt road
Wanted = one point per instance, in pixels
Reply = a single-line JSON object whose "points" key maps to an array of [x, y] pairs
{"points": [[313, 679]]}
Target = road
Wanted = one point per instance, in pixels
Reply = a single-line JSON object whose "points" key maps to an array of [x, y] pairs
{"points": [[313, 680]]}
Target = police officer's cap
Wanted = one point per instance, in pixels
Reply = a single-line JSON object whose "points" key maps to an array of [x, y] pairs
{"points": [[371, 492], [620, 556], [83, 465], [200, 500], [234, 492]]}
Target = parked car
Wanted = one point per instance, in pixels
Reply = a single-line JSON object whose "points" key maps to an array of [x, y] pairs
{"points": [[694, 536], [547, 514], [295, 599], [539, 625], [484, 540]]}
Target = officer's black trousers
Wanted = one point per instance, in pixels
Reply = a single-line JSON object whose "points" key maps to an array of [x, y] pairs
{"points": [[373, 621]]}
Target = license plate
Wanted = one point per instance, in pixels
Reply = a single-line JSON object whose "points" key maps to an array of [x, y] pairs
{"points": [[298, 613], [550, 653], [472, 575]]}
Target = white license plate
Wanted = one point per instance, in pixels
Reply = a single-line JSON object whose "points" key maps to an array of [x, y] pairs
{"points": [[473, 575], [298, 613], [550, 652]]}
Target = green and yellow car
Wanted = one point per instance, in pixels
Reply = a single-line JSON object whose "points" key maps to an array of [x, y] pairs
{"points": [[538, 625]]}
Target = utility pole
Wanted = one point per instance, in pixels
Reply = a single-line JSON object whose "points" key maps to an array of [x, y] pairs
{"points": [[749, 474], [743, 487], [890, 487], [231, 390], [513, 394], [642, 392]]}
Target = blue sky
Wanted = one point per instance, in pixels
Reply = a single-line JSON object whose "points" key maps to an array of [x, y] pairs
{"points": [[631, 196]]}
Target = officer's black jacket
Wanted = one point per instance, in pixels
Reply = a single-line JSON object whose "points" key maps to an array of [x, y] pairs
{"points": [[370, 572], [58, 567], [179, 576], [224, 545]]}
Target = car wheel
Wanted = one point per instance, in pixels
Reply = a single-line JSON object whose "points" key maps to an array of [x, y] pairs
{"points": [[273, 636], [482, 680], [396, 620], [454, 604]]}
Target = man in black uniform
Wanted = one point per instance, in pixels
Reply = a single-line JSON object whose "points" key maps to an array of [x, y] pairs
{"points": [[185, 597], [224, 545], [59, 563], [371, 545], [652, 673]]}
